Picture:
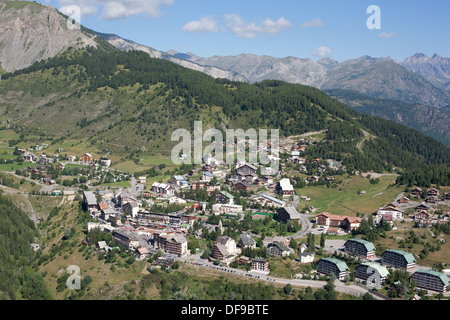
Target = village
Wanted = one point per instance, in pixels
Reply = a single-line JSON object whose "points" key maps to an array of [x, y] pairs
{"points": [[214, 201]]}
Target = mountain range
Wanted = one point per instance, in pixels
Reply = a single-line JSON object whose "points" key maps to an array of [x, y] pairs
{"points": [[40, 32]]}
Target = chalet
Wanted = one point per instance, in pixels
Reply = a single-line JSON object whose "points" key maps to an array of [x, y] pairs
{"points": [[247, 241], [447, 196], [432, 199], [423, 207], [198, 185], [403, 200], [351, 223], [421, 215], [224, 197], [242, 185], [398, 259], [416, 192], [247, 169], [313, 179], [87, 158], [433, 192], [330, 266]]}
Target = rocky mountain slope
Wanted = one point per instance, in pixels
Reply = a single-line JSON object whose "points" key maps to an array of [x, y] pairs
{"points": [[38, 32], [377, 77], [215, 72], [435, 69]]}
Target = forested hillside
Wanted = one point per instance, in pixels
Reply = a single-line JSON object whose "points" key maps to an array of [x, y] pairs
{"points": [[18, 278], [126, 102]]}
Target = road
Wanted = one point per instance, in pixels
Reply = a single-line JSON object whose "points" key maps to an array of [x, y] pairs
{"points": [[339, 286]]}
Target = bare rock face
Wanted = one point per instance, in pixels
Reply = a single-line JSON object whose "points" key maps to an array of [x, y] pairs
{"points": [[217, 73], [30, 32]]}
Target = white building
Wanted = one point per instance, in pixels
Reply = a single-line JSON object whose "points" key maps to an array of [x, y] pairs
{"points": [[222, 208]]}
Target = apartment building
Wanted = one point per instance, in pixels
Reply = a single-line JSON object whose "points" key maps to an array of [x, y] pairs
{"points": [[431, 280], [360, 247], [329, 266], [398, 259]]}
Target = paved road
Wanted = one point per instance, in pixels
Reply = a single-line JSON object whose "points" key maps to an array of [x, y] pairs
{"points": [[340, 286]]}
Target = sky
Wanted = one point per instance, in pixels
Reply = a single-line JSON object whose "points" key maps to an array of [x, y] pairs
{"points": [[338, 29]]}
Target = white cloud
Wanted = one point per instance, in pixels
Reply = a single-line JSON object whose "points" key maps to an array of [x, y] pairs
{"points": [[116, 9], [251, 30], [322, 52], [206, 24], [314, 23], [387, 35]]}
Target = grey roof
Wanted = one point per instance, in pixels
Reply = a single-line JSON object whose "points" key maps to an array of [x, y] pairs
{"points": [[90, 197], [292, 212]]}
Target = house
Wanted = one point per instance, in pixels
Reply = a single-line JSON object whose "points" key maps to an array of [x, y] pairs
{"points": [[260, 265], [367, 270], [304, 255], [179, 181], [351, 223], [360, 247], [432, 199], [87, 158], [397, 214], [403, 200], [416, 192], [332, 266], [105, 162], [246, 169], [224, 197], [278, 249], [423, 207], [242, 185], [71, 159], [89, 200], [431, 280], [288, 214], [433, 192], [163, 189], [285, 187], [141, 253], [398, 259], [336, 221], [247, 241]]}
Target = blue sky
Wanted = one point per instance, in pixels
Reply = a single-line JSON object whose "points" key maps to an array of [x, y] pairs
{"points": [[306, 29]]}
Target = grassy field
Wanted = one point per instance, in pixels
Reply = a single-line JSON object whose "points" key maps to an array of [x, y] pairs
{"points": [[345, 200]]}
